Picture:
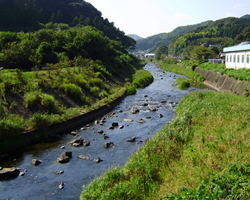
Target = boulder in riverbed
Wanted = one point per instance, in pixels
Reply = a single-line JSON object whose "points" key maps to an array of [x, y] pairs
{"points": [[132, 139], [36, 162], [109, 144], [98, 160], [83, 157], [135, 110], [7, 173]]}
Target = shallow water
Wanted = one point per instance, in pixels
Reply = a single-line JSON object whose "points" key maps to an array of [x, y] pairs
{"points": [[40, 182]]}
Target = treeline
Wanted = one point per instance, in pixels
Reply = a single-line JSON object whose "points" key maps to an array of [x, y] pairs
{"points": [[224, 32], [30, 15], [153, 42]]}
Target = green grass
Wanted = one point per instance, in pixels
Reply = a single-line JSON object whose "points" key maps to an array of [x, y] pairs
{"points": [[209, 134], [195, 78], [238, 74], [182, 83], [142, 78]]}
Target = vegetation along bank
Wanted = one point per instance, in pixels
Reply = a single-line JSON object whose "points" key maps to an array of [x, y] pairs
{"points": [[201, 154]]}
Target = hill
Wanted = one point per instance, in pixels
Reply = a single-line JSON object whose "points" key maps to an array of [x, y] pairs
{"points": [[224, 32], [155, 41], [135, 37]]}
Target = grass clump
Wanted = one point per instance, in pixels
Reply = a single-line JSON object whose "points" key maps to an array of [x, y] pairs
{"points": [[195, 78], [209, 135], [182, 83], [142, 78], [72, 90], [131, 90]]}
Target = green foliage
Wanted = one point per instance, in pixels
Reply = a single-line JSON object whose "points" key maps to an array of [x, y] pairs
{"points": [[201, 53], [39, 120], [165, 38], [195, 78], [225, 32], [131, 90], [72, 90], [182, 83], [142, 79], [190, 64], [169, 61], [238, 74], [161, 51]]}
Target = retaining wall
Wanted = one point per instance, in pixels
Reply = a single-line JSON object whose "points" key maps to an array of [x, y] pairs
{"points": [[224, 83]]}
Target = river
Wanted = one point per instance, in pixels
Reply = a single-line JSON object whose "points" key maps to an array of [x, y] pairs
{"points": [[40, 182]]}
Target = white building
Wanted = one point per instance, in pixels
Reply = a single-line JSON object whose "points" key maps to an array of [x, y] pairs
{"points": [[238, 56]]}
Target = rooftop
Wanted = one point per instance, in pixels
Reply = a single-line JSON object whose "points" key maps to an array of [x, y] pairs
{"points": [[240, 47]]}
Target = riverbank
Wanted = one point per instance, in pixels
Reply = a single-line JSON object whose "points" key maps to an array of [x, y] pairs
{"points": [[62, 119], [208, 135]]}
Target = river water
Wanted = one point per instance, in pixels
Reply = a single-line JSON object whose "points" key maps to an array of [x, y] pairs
{"points": [[40, 182]]}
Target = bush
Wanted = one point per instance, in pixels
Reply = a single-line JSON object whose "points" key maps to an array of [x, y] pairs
{"points": [[39, 120], [95, 91], [49, 103], [131, 90], [182, 83], [72, 90], [31, 98]]}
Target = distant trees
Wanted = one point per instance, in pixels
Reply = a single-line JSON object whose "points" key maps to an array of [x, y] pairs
{"points": [[201, 53], [161, 51]]}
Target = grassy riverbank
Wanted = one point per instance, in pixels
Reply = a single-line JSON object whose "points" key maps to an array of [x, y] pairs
{"points": [[36, 99], [209, 135]]}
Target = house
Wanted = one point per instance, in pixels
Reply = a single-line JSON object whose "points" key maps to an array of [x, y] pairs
{"points": [[238, 56]]}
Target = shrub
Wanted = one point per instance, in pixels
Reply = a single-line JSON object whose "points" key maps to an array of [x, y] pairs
{"points": [[95, 90], [49, 103], [72, 90], [182, 83], [39, 120], [31, 98], [131, 90]]}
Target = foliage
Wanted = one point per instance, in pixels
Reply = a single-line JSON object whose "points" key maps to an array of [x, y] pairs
{"points": [[190, 64], [182, 83], [155, 41], [142, 79], [207, 135], [161, 51], [224, 32], [201, 53], [195, 78], [169, 61], [131, 90], [238, 74]]}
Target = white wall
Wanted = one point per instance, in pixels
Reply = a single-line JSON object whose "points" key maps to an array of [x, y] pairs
{"points": [[236, 60]]}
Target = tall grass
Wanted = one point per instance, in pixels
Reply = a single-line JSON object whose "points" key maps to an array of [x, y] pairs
{"points": [[209, 132], [196, 79]]}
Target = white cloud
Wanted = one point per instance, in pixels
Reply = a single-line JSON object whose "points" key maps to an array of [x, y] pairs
{"points": [[237, 5], [182, 16]]}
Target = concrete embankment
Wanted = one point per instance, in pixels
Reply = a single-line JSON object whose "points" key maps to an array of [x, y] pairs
{"points": [[224, 83], [37, 135]]}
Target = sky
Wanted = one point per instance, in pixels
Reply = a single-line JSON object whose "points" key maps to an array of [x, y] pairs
{"points": [[150, 17]]}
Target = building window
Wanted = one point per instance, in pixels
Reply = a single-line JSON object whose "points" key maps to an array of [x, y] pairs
{"points": [[238, 58], [227, 58], [231, 58], [234, 59], [248, 58], [243, 58]]}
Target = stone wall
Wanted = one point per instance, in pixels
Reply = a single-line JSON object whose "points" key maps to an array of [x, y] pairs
{"points": [[224, 83]]}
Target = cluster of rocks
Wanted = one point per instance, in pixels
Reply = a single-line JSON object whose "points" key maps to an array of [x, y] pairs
{"points": [[79, 142], [65, 157]]}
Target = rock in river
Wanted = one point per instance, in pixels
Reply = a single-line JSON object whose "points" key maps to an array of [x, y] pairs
{"points": [[128, 120], [65, 157], [141, 121], [98, 160], [7, 173], [36, 162], [83, 157], [109, 144], [132, 139], [135, 110]]}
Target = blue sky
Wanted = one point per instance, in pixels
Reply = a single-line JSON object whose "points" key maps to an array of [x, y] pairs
{"points": [[150, 17]]}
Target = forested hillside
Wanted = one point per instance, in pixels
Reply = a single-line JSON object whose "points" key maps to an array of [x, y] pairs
{"points": [[225, 32], [164, 38]]}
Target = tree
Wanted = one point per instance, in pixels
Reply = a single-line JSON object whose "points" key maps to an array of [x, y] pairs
{"points": [[161, 51], [201, 53]]}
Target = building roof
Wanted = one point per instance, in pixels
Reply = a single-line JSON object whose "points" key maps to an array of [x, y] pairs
{"points": [[241, 47]]}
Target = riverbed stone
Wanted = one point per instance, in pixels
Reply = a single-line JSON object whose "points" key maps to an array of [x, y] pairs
{"points": [[105, 136], [63, 159], [61, 186], [77, 142], [128, 120], [144, 104], [83, 157], [36, 162], [7, 173], [21, 174], [58, 172], [121, 127], [148, 117], [134, 110], [100, 131], [111, 128], [142, 121], [98, 160], [109, 144], [132, 139], [86, 143], [152, 109], [164, 101], [160, 115], [115, 124]]}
